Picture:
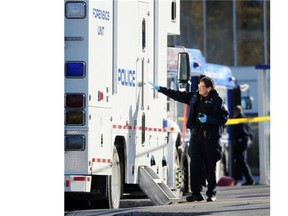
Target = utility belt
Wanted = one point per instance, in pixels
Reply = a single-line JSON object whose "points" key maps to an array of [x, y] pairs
{"points": [[201, 129]]}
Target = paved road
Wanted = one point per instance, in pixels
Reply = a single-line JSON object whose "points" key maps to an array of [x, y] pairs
{"points": [[232, 201]]}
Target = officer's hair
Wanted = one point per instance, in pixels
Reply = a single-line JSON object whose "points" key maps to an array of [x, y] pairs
{"points": [[209, 82]]}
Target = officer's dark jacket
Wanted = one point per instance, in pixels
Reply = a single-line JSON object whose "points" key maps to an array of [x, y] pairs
{"points": [[217, 113], [242, 131]]}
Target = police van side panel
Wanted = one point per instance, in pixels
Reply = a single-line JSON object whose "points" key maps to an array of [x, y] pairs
{"points": [[113, 122]]}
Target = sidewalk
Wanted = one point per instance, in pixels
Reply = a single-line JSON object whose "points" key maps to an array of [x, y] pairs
{"points": [[234, 200]]}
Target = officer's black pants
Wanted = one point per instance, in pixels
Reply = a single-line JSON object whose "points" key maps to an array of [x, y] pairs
{"points": [[240, 161], [204, 151]]}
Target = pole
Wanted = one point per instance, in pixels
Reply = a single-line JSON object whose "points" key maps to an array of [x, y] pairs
{"points": [[264, 139], [205, 28], [263, 130], [235, 48]]}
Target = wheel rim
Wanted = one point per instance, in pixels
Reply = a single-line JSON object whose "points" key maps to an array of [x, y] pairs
{"points": [[115, 181]]}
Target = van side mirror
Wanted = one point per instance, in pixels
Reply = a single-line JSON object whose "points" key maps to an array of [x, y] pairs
{"points": [[183, 71]]}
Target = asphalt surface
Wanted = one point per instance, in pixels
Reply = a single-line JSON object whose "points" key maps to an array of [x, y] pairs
{"points": [[234, 200]]}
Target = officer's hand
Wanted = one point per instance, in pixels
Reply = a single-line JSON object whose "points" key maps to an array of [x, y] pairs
{"points": [[203, 118], [154, 86]]}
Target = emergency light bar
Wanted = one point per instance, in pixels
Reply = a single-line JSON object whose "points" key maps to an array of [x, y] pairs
{"points": [[75, 10], [75, 69]]}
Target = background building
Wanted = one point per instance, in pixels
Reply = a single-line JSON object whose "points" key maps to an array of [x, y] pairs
{"points": [[229, 32]]}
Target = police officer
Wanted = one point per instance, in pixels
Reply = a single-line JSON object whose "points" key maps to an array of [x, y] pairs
{"points": [[207, 115], [241, 135]]}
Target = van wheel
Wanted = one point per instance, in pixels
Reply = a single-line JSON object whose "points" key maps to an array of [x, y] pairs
{"points": [[115, 182]]}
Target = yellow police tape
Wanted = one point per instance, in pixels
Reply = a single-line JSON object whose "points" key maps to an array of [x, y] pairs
{"points": [[233, 121]]}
